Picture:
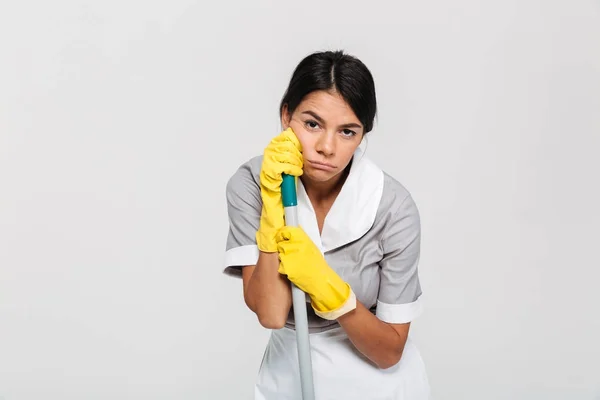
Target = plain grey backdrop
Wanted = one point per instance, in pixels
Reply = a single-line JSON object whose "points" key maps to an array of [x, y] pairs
{"points": [[121, 121]]}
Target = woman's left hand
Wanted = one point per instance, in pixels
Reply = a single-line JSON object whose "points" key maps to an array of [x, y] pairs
{"points": [[305, 266]]}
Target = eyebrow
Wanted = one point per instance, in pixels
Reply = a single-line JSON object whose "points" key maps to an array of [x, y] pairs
{"points": [[320, 120]]}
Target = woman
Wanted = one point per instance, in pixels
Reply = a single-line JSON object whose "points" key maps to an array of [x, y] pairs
{"points": [[355, 252]]}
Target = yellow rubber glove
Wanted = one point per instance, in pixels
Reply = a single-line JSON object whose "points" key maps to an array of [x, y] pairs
{"points": [[282, 155], [305, 266]]}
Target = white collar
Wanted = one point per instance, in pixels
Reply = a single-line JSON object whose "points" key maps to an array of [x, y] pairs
{"points": [[353, 212]]}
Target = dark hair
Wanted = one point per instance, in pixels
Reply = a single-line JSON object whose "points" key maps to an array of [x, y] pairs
{"points": [[334, 70]]}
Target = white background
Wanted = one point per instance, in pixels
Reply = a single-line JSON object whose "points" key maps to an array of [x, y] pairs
{"points": [[121, 121]]}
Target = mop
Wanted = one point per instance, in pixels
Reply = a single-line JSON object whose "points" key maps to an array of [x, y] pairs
{"points": [[290, 202]]}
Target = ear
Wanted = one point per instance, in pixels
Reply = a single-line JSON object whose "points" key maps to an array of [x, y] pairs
{"points": [[285, 117]]}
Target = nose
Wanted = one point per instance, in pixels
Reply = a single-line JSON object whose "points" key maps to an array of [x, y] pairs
{"points": [[325, 144]]}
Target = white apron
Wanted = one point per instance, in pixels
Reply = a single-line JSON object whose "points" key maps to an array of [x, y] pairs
{"points": [[340, 372]]}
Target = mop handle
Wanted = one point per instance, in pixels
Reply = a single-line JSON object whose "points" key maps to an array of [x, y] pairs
{"points": [[290, 203]]}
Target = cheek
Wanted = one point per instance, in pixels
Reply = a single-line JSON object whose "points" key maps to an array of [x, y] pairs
{"points": [[301, 134], [348, 149], [348, 152]]}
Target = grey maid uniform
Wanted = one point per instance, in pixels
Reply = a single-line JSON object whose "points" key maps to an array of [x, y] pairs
{"points": [[371, 238]]}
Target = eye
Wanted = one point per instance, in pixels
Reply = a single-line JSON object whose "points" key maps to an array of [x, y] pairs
{"points": [[348, 133], [310, 124]]}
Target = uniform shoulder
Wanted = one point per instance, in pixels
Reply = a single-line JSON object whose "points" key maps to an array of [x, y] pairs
{"points": [[245, 180], [398, 208], [396, 200], [394, 189]]}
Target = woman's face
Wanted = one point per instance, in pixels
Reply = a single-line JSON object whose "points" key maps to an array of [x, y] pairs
{"points": [[328, 131]]}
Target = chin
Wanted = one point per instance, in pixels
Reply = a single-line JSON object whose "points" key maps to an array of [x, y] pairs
{"points": [[319, 175]]}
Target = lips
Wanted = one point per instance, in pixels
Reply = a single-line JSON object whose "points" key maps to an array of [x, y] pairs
{"points": [[321, 165]]}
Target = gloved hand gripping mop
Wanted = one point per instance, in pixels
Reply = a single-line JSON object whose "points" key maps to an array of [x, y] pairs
{"points": [[290, 202]]}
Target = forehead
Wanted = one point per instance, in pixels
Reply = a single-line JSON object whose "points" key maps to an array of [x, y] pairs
{"points": [[329, 106]]}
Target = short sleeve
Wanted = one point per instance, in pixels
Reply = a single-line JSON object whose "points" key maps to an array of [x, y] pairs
{"points": [[243, 209], [400, 290]]}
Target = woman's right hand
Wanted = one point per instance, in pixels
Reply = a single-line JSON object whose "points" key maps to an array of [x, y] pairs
{"points": [[283, 155]]}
